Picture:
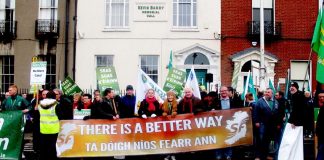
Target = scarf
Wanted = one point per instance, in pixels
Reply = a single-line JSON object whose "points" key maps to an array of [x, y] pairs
{"points": [[151, 106], [187, 102]]}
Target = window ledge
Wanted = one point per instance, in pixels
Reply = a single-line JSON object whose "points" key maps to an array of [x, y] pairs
{"points": [[184, 30], [116, 30]]}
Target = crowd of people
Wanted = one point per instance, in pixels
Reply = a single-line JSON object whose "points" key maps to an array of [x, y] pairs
{"points": [[270, 111]]}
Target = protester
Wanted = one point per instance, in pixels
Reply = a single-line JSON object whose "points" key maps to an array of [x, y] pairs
{"points": [[225, 102], [36, 122], [169, 106], [267, 122], [189, 103], [309, 115], [65, 104], [77, 103], [127, 106], [320, 126], [250, 102], [150, 106], [15, 101], [86, 101], [108, 108], [298, 104], [50, 113]]}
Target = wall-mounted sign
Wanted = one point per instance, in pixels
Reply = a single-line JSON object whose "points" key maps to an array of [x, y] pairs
{"points": [[150, 11]]}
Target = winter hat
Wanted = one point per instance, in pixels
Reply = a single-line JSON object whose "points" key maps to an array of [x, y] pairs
{"points": [[294, 84], [129, 87]]}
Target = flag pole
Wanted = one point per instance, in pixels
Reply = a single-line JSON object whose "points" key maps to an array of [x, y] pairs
{"points": [[262, 75], [308, 62]]}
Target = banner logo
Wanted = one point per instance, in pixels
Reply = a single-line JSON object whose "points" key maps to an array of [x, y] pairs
{"points": [[66, 139], [237, 127]]}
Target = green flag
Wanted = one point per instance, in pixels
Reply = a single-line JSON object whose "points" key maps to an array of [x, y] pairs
{"points": [[170, 61], [318, 46], [249, 87], [11, 134]]}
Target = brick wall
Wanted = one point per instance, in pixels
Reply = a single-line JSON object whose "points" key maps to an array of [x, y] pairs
{"points": [[298, 21]]}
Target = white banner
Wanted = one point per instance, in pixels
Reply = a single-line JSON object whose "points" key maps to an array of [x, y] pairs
{"points": [[38, 73], [292, 146]]}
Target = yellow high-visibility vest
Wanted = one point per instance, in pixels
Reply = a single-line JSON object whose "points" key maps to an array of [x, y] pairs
{"points": [[49, 122]]}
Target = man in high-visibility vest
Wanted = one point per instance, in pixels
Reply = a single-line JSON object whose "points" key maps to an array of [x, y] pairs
{"points": [[49, 125]]}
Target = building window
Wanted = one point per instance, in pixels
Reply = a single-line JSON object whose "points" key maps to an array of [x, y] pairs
{"points": [[298, 72], [7, 71], [104, 60], [185, 13], [48, 9], [50, 69], [7, 10], [117, 13], [149, 64]]}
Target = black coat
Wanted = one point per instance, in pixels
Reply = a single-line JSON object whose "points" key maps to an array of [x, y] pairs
{"points": [[298, 105], [105, 109]]}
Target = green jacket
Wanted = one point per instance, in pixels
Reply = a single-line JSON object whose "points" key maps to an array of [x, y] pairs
{"points": [[15, 103]]}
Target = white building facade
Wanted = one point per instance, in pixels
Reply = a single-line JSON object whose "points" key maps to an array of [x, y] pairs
{"points": [[133, 34]]}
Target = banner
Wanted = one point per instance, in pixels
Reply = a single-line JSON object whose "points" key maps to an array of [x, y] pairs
{"points": [[107, 78], [69, 87], [292, 146], [38, 73], [11, 134], [80, 114], [137, 136], [175, 81]]}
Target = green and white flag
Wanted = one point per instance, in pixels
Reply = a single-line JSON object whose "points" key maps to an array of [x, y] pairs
{"points": [[170, 61], [175, 81], [11, 134], [271, 86], [107, 78], [318, 46], [249, 87], [69, 87]]}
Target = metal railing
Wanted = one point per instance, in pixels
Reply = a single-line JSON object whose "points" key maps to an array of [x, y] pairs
{"points": [[270, 28], [8, 29], [47, 28]]}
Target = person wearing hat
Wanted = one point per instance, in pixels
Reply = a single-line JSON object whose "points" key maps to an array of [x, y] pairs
{"points": [[297, 105], [127, 104], [320, 126]]}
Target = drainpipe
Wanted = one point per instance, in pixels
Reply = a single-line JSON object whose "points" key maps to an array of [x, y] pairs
{"points": [[75, 35], [67, 22]]}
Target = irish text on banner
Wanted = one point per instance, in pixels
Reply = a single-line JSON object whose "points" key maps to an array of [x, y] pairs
{"points": [[107, 78], [11, 134], [69, 87], [38, 73], [135, 136], [175, 81]]}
